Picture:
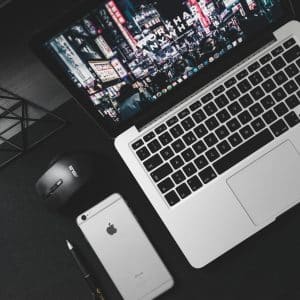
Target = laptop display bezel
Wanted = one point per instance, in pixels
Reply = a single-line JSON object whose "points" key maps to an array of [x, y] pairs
{"points": [[164, 103]]}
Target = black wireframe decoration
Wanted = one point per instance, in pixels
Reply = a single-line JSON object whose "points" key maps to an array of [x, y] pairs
{"points": [[23, 125]]}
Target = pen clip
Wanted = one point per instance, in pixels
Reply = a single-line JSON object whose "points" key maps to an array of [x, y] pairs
{"points": [[97, 295]]}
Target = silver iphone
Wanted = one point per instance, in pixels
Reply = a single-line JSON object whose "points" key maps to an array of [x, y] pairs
{"points": [[124, 250]]}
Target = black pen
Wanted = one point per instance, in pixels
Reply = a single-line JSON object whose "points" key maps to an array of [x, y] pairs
{"points": [[86, 275]]}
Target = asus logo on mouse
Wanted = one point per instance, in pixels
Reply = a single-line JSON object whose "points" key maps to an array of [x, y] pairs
{"points": [[73, 171]]}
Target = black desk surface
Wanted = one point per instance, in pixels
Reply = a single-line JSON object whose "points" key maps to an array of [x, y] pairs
{"points": [[35, 263]]}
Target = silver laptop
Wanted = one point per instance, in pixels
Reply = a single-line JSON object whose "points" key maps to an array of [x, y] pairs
{"points": [[202, 101]]}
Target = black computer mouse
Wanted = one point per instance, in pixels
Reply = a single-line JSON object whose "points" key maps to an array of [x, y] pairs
{"points": [[66, 176]]}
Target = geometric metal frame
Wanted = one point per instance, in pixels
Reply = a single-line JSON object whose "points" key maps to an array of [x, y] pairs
{"points": [[24, 121]]}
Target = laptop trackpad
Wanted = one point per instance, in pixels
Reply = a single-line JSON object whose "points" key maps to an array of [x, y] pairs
{"points": [[270, 185]]}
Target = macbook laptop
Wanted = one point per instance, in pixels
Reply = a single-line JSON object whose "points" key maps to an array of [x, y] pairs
{"points": [[202, 101]]}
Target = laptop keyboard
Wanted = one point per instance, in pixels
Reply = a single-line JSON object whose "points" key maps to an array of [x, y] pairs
{"points": [[225, 126]]}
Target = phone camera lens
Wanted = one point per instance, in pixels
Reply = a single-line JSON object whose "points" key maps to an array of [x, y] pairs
{"points": [[83, 218]]}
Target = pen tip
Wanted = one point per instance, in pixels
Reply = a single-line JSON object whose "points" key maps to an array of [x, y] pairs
{"points": [[70, 246]]}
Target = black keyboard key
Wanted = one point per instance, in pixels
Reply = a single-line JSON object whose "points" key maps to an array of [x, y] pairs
{"points": [[210, 140], [183, 191], [269, 86], [292, 54], [207, 175], [234, 108], [277, 51], [290, 87], [224, 147], [137, 144], [278, 63], [258, 124], [269, 117], [212, 154], [233, 125], [254, 67], [176, 131], [199, 147], [243, 151], [220, 89], [161, 172], [194, 183], [199, 116], [298, 62], [246, 132], [165, 138], [267, 102], [178, 146], [161, 129], [267, 71], [178, 177], [256, 78], [222, 132], [289, 43], [223, 116], [245, 117], [201, 131], [279, 128], [172, 198], [292, 119], [148, 137], [153, 162], [189, 169], [280, 78], [242, 74], [256, 110], [210, 108], [292, 102], [265, 59], [298, 80], [183, 113], [188, 123], [201, 162], [207, 98], [188, 155], [166, 185], [172, 121], [177, 162], [233, 93], [246, 101], [281, 109], [291, 70], [235, 139], [167, 153], [154, 146], [257, 93], [195, 106], [279, 94], [212, 123], [230, 82], [189, 138], [221, 101], [244, 86], [143, 153]]}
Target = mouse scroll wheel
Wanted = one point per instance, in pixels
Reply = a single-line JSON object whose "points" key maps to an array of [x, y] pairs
{"points": [[55, 187]]}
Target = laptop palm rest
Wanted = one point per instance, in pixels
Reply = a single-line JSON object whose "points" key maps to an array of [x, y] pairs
{"points": [[270, 185]]}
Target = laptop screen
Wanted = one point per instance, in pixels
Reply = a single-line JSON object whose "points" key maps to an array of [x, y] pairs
{"points": [[127, 54]]}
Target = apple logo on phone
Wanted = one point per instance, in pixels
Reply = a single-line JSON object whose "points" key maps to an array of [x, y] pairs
{"points": [[111, 229]]}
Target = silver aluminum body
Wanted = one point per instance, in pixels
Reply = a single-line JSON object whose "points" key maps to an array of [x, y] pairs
{"points": [[213, 220], [124, 250]]}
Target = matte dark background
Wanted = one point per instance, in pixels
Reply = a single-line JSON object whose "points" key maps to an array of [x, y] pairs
{"points": [[35, 263]]}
